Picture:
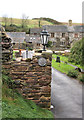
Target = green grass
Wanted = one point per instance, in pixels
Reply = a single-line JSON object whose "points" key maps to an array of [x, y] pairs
{"points": [[14, 54], [62, 67], [14, 106], [62, 58], [65, 68], [65, 59]]}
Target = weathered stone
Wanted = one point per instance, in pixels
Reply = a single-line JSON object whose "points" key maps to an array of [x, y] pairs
{"points": [[17, 82], [32, 80], [46, 89], [6, 47]]}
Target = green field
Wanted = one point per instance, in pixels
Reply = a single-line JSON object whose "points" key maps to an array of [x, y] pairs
{"points": [[64, 68], [34, 22], [30, 23], [65, 59]]}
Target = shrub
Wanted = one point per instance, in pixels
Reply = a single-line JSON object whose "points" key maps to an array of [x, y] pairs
{"points": [[30, 49], [73, 73], [38, 51], [82, 78], [28, 60], [49, 44], [76, 54], [6, 79]]}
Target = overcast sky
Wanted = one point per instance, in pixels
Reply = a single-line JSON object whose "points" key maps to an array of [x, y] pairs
{"points": [[60, 10]]}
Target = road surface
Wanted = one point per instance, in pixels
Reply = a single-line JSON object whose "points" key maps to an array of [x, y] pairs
{"points": [[66, 96]]}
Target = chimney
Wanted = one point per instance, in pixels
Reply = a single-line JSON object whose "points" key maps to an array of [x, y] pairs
{"points": [[70, 22]]}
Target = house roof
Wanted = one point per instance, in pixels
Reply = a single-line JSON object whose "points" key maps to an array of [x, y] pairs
{"points": [[79, 28], [63, 28], [35, 30], [56, 28], [17, 37], [33, 39]]}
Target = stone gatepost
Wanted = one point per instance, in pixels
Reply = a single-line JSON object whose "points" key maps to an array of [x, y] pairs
{"points": [[32, 78], [6, 47], [5, 57]]}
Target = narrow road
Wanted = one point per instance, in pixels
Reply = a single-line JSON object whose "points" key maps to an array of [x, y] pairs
{"points": [[66, 96]]}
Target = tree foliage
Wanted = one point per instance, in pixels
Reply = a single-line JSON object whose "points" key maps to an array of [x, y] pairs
{"points": [[77, 52], [49, 20], [5, 20], [24, 21], [49, 44]]}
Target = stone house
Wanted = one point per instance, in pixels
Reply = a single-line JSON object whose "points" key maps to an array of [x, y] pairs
{"points": [[23, 40], [33, 39], [18, 39], [62, 36]]}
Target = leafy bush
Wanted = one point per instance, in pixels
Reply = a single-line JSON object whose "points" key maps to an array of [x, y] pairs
{"points": [[49, 44], [82, 78], [30, 48], [38, 51], [28, 60], [6, 79], [73, 73], [77, 52]]}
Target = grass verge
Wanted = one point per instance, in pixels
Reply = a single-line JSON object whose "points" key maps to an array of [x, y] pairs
{"points": [[65, 68], [62, 67], [15, 106], [65, 59]]}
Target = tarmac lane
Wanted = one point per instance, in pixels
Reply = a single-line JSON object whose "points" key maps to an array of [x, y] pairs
{"points": [[66, 96]]}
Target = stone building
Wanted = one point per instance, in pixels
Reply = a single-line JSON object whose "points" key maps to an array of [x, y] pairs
{"points": [[21, 40], [18, 39], [5, 47], [33, 39], [62, 36]]}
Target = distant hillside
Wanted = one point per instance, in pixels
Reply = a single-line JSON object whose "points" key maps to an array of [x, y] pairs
{"points": [[30, 23], [66, 23], [54, 22], [17, 25]]}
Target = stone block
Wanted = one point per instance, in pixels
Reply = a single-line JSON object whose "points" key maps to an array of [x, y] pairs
{"points": [[32, 80], [46, 89]]}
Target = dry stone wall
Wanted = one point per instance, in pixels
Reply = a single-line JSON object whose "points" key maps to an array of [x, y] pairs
{"points": [[6, 47], [32, 80]]}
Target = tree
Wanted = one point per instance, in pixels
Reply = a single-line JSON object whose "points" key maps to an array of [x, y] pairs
{"points": [[49, 44], [11, 21], [77, 52], [39, 23], [5, 20], [83, 53], [24, 20]]}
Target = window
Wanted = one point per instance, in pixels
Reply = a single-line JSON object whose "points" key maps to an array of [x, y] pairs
{"points": [[35, 33], [38, 44], [52, 35], [76, 35], [63, 34], [54, 43], [62, 43], [31, 38]]}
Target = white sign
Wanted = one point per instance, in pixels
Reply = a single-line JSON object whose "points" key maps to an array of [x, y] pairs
{"points": [[42, 61], [28, 54]]}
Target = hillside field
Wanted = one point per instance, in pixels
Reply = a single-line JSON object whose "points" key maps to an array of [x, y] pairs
{"points": [[30, 23]]}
